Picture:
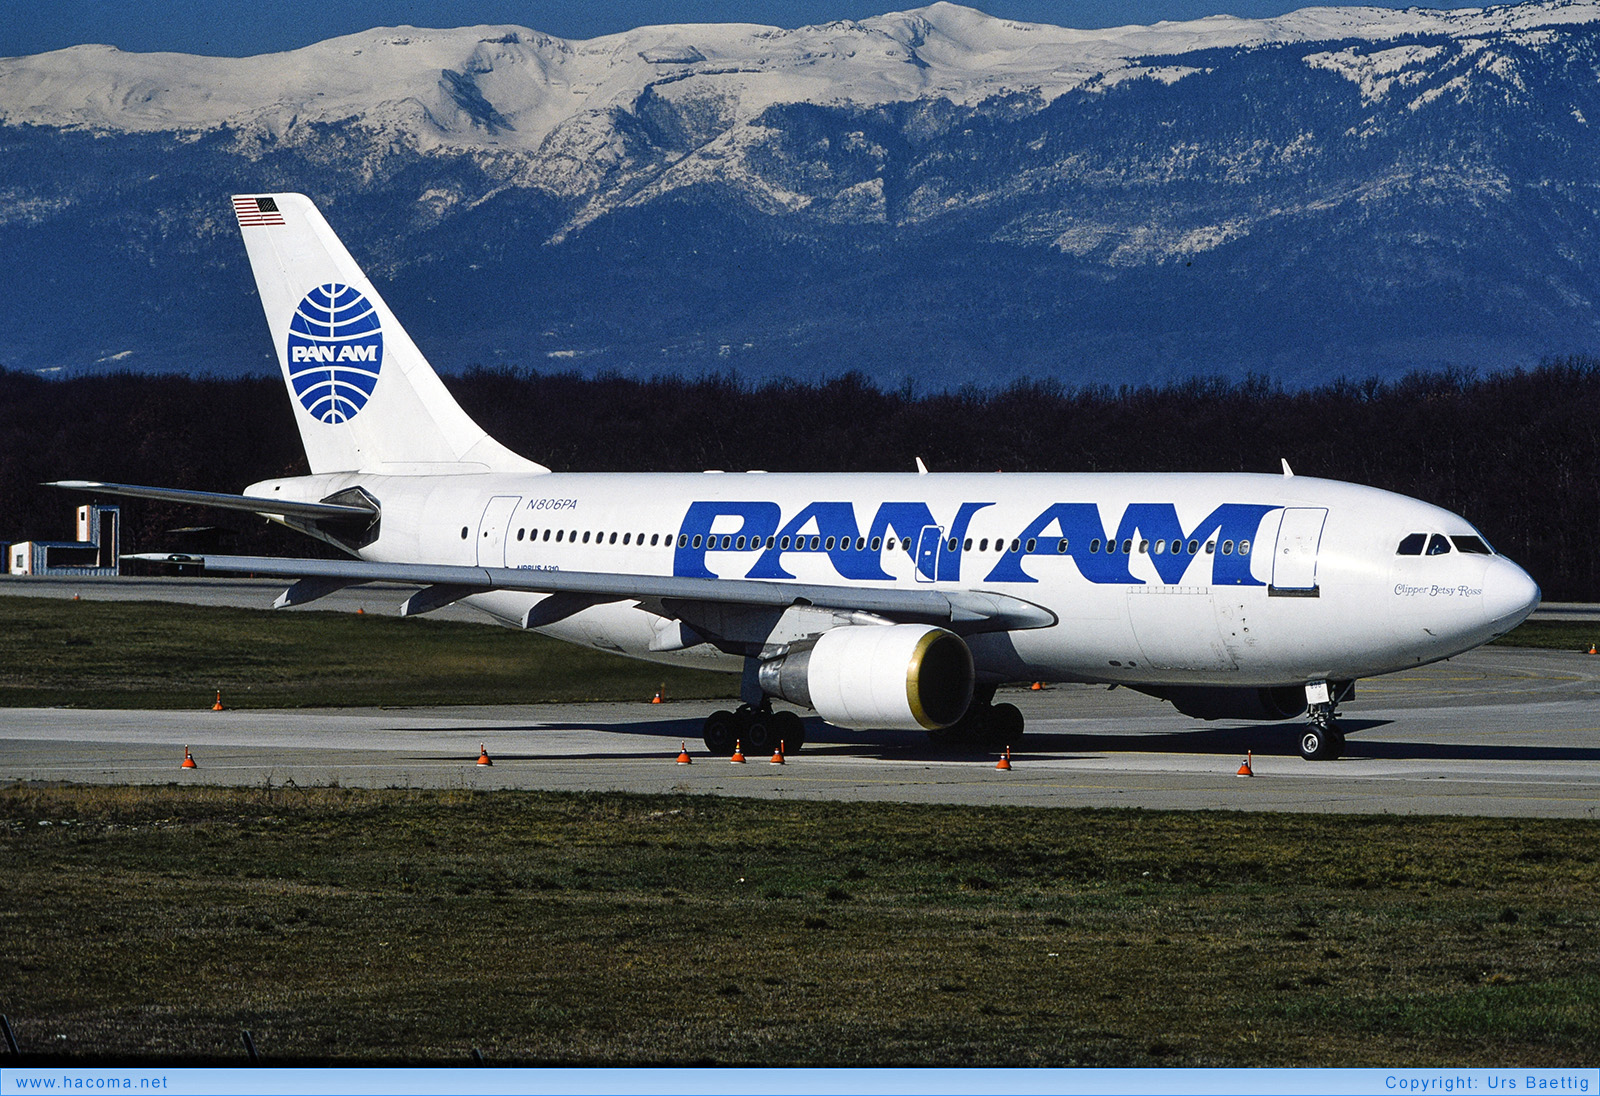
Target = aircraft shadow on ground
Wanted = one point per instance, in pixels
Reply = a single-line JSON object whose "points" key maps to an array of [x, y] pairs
{"points": [[1268, 740]]}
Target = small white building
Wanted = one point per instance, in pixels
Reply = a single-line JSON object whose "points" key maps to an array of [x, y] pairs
{"points": [[97, 551]]}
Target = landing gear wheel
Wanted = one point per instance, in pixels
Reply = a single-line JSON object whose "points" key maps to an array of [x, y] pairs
{"points": [[790, 729], [1003, 726], [760, 733], [720, 731], [1321, 744]]}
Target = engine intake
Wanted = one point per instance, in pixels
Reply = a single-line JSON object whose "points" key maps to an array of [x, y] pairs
{"points": [[886, 677]]}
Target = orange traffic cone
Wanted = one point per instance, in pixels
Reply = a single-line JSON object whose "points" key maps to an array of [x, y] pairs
{"points": [[1245, 769], [1005, 762], [738, 753], [1592, 650], [188, 760], [483, 755], [217, 707], [1038, 686], [660, 696], [777, 755], [361, 610], [683, 756]]}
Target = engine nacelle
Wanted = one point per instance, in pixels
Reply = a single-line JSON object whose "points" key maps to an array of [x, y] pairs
{"points": [[1233, 702], [883, 677]]}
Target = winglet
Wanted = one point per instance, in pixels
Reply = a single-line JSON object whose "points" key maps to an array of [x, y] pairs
{"points": [[1288, 473], [922, 469]]}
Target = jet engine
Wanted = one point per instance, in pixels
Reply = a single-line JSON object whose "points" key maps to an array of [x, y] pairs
{"points": [[1233, 702], [885, 677]]}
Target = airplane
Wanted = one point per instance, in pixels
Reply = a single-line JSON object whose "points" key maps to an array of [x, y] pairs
{"points": [[877, 600]]}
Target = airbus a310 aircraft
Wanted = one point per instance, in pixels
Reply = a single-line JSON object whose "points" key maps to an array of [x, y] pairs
{"points": [[878, 600]]}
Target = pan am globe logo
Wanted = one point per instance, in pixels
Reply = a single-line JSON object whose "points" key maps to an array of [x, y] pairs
{"points": [[335, 352]]}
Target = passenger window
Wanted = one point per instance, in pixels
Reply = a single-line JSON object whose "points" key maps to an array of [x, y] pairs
{"points": [[784, 544], [953, 544], [626, 537], [739, 544], [1032, 544], [683, 540], [463, 532], [828, 544], [1061, 546], [966, 545], [727, 542], [1144, 546], [1127, 547], [1094, 547], [861, 544], [613, 539], [1015, 544], [877, 543], [697, 540], [1473, 545], [558, 535], [1160, 548], [520, 533], [586, 536], [1111, 547], [770, 540], [905, 543], [655, 538], [1211, 547], [1244, 547], [1227, 547], [546, 535], [1438, 545]]}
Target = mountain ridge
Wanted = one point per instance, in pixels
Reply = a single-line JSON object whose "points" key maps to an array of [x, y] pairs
{"points": [[934, 196]]}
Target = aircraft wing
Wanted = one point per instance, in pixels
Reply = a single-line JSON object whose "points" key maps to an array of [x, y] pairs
{"points": [[963, 610], [254, 504]]}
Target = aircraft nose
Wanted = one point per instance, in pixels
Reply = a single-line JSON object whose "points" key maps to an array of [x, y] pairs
{"points": [[1509, 595]]}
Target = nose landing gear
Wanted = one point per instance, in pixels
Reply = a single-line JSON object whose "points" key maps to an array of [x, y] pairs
{"points": [[1323, 740]]}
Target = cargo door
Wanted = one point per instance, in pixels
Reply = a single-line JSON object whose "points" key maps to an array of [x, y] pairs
{"points": [[1177, 629]]}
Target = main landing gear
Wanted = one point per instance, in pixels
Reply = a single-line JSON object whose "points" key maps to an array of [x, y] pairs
{"points": [[987, 724], [1323, 740], [758, 729]]}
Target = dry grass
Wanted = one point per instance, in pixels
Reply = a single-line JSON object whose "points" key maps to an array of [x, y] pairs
{"points": [[387, 926], [89, 654]]}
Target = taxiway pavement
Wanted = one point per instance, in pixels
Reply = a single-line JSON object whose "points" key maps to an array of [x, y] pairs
{"points": [[1499, 731]]}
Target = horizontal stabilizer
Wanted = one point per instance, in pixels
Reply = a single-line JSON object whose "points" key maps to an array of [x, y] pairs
{"points": [[965, 611], [325, 511]]}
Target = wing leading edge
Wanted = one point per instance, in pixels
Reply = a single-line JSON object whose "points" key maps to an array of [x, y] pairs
{"points": [[963, 610]]}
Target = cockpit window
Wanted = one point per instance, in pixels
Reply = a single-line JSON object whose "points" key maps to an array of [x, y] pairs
{"points": [[1438, 545], [1412, 544], [1474, 545]]}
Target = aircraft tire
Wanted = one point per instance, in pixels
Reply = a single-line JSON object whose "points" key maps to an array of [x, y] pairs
{"points": [[760, 732], [790, 729], [1003, 726], [1321, 744], [720, 731]]}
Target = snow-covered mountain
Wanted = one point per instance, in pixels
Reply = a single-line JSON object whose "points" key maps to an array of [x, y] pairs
{"points": [[935, 195]]}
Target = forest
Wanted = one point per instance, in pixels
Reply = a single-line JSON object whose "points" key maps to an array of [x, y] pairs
{"points": [[1517, 453]]}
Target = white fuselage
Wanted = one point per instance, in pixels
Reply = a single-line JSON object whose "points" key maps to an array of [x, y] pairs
{"points": [[1152, 579]]}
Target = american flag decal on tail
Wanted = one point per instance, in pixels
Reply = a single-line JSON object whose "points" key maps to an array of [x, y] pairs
{"points": [[256, 211]]}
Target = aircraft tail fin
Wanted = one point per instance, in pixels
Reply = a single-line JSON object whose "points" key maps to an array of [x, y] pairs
{"points": [[365, 399]]}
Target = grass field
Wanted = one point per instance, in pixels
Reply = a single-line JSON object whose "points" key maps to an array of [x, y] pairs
{"points": [[107, 654], [101, 654], [153, 924]]}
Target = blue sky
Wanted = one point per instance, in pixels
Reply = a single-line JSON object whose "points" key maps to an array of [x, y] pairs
{"points": [[234, 28]]}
